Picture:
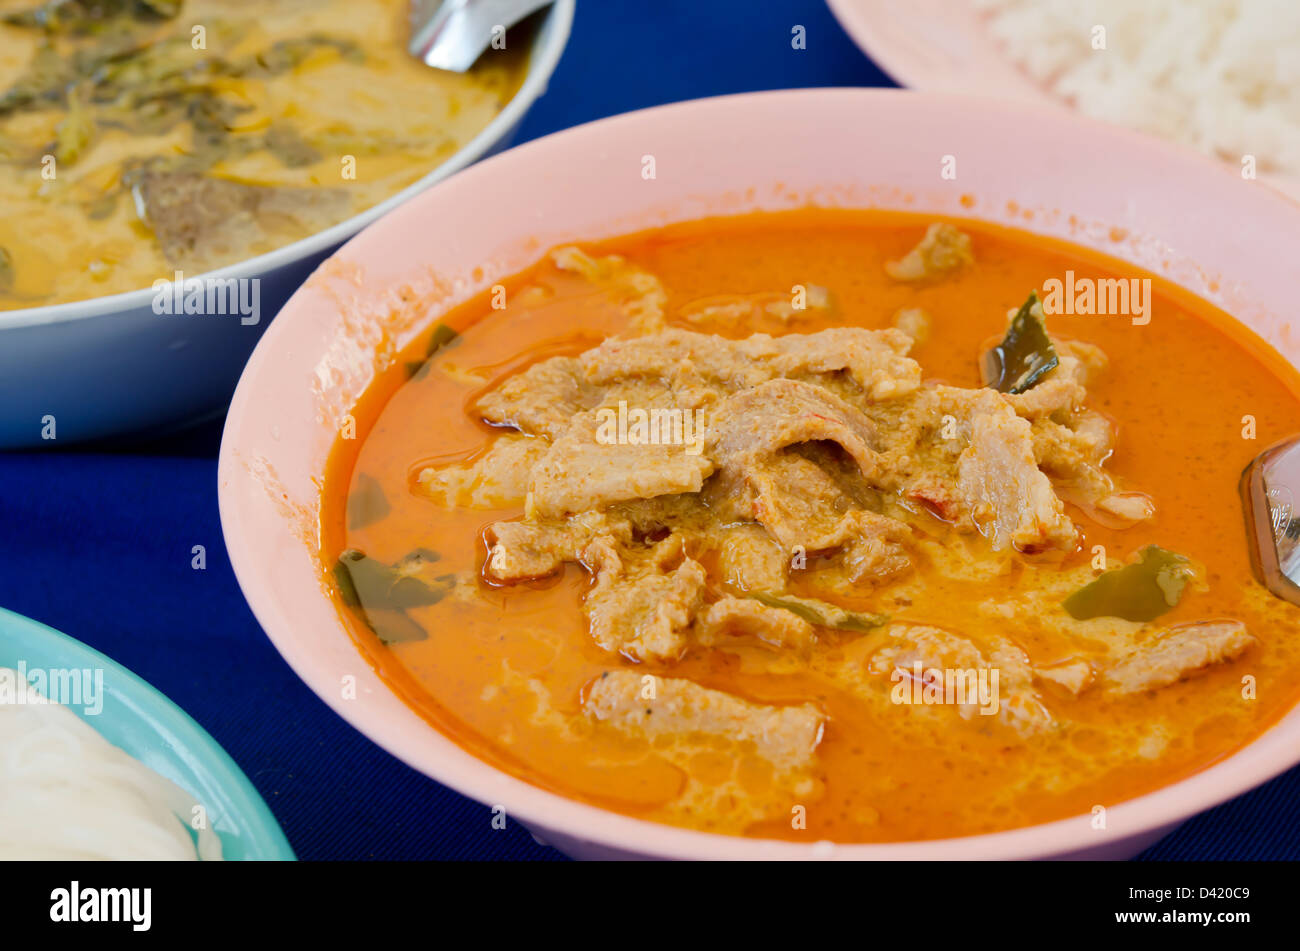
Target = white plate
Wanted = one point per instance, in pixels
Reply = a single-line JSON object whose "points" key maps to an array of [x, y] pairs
{"points": [[943, 46]]}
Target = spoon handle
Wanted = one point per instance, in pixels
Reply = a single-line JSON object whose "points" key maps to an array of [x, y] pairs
{"points": [[452, 34]]}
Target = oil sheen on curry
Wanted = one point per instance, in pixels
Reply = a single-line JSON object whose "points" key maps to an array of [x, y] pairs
{"points": [[815, 525], [142, 137]]}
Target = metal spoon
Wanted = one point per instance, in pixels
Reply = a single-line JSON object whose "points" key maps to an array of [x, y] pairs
{"points": [[1268, 490], [452, 34]]}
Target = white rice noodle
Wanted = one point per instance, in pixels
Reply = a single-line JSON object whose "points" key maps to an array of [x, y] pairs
{"points": [[67, 793]]}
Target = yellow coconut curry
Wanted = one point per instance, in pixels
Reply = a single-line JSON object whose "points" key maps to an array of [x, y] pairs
{"points": [[142, 137], [822, 525]]}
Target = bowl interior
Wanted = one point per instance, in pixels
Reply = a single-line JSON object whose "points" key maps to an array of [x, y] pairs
{"points": [[1174, 213], [144, 723], [548, 44]]}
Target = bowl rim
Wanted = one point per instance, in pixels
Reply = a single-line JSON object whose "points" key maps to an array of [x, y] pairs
{"points": [[1267, 755], [179, 733], [542, 63]]}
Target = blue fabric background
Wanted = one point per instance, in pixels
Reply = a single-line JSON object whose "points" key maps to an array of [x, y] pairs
{"points": [[96, 542]]}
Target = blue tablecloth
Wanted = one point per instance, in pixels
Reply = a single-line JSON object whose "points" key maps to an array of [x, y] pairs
{"points": [[97, 543]]}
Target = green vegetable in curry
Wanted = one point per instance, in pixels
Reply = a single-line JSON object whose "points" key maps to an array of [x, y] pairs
{"points": [[383, 593], [367, 503], [131, 79], [1024, 356], [443, 336], [1140, 591], [91, 16], [822, 613]]}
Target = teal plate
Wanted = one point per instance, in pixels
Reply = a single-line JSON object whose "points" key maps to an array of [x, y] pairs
{"points": [[144, 723]]}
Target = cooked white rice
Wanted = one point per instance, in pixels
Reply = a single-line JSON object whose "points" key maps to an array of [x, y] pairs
{"points": [[67, 793], [1220, 75]]}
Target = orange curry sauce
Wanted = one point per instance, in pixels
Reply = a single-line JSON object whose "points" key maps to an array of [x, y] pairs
{"points": [[503, 674]]}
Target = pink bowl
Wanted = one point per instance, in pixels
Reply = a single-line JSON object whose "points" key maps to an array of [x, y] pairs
{"points": [[1183, 216]]}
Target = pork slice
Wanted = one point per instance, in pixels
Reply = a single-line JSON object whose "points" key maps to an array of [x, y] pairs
{"points": [[203, 222], [496, 479], [799, 518], [542, 400], [641, 611], [785, 736], [1177, 653], [873, 547], [876, 359], [1019, 706], [937, 492], [804, 499], [520, 550], [1073, 675], [673, 513], [1052, 395], [581, 471], [1070, 452], [1125, 509], [750, 560], [908, 644], [916, 322], [1072, 457], [670, 355], [755, 423], [775, 626], [943, 250], [1004, 492], [793, 498], [1081, 362], [967, 456]]}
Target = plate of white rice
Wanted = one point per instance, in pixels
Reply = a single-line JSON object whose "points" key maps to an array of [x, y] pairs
{"points": [[1219, 76]]}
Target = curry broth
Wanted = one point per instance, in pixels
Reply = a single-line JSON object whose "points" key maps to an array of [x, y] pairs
{"points": [[280, 120], [503, 673]]}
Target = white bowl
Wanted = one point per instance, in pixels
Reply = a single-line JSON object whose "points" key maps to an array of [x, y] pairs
{"points": [[110, 365]]}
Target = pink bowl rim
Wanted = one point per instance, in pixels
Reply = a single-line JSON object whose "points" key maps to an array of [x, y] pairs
{"points": [[1274, 751]]}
